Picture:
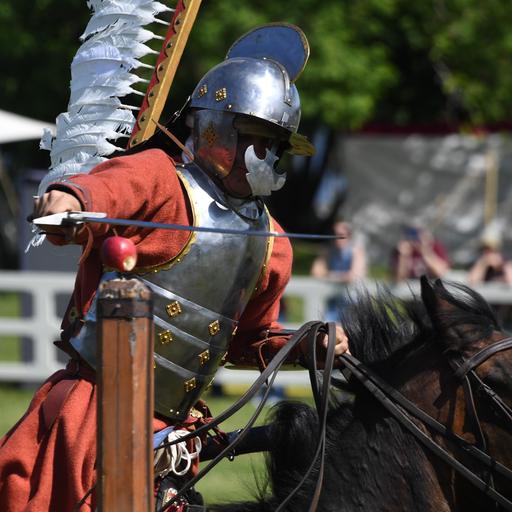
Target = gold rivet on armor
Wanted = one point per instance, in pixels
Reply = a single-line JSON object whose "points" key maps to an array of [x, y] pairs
{"points": [[214, 328], [204, 357], [221, 94], [202, 90], [190, 384], [165, 337], [173, 308]]}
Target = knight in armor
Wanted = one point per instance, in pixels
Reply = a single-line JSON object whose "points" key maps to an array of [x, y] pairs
{"points": [[216, 296]]}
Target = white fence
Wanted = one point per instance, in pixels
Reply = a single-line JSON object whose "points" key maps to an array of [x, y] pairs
{"points": [[42, 326]]}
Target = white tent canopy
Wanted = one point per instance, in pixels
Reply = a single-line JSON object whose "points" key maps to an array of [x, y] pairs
{"points": [[14, 128]]}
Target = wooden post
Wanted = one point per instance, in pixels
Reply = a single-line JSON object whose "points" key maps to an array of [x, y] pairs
{"points": [[125, 397]]}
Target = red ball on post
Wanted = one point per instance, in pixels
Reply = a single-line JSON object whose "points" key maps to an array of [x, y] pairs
{"points": [[119, 253]]}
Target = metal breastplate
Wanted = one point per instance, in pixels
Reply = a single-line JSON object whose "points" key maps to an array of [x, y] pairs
{"points": [[199, 296]]}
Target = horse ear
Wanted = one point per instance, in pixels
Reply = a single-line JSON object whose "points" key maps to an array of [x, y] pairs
{"points": [[452, 318], [433, 297], [428, 296]]}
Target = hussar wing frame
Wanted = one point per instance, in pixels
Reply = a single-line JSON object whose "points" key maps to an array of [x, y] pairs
{"points": [[102, 73]]}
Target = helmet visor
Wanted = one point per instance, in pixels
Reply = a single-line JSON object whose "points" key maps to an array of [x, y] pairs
{"points": [[296, 144]]}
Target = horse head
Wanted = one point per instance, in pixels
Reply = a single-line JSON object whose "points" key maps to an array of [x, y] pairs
{"points": [[475, 401]]}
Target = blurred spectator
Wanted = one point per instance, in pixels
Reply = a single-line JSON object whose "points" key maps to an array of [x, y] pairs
{"points": [[343, 261], [491, 265], [419, 253]]}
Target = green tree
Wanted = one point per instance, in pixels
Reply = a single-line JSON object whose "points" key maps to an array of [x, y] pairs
{"points": [[38, 39], [391, 61], [472, 50], [337, 86]]}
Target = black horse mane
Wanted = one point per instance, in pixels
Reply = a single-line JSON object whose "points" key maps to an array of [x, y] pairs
{"points": [[382, 328]]}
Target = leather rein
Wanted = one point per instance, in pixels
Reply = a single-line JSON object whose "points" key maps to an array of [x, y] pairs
{"points": [[392, 400], [308, 334], [402, 410]]}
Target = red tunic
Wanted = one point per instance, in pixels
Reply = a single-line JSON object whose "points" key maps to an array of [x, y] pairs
{"points": [[47, 459]]}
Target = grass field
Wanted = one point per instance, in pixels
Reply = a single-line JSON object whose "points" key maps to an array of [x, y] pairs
{"points": [[232, 480], [10, 346], [228, 481], [14, 401]]}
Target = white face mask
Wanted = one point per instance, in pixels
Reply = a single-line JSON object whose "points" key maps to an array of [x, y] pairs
{"points": [[261, 175]]}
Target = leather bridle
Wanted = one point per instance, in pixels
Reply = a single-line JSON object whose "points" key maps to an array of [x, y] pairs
{"points": [[403, 411], [481, 356], [466, 373]]}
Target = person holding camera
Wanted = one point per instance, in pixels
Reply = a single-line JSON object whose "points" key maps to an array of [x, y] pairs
{"points": [[419, 253]]}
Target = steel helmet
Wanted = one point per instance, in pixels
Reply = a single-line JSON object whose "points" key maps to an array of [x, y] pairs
{"points": [[252, 91]]}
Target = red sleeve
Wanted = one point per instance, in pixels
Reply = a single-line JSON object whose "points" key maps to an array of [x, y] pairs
{"points": [[142, 186], [251, 345]]}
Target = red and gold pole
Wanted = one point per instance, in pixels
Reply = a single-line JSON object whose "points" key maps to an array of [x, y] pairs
{"points": [[165, 70]]}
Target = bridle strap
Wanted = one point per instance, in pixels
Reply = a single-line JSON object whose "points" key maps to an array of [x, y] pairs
{"points": [[275, 363], [482, 356], [321, 401], [308, 331], [466, 371], [382, 391], [471, 410], [473, 413], [498, 402], [433, 424]]}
